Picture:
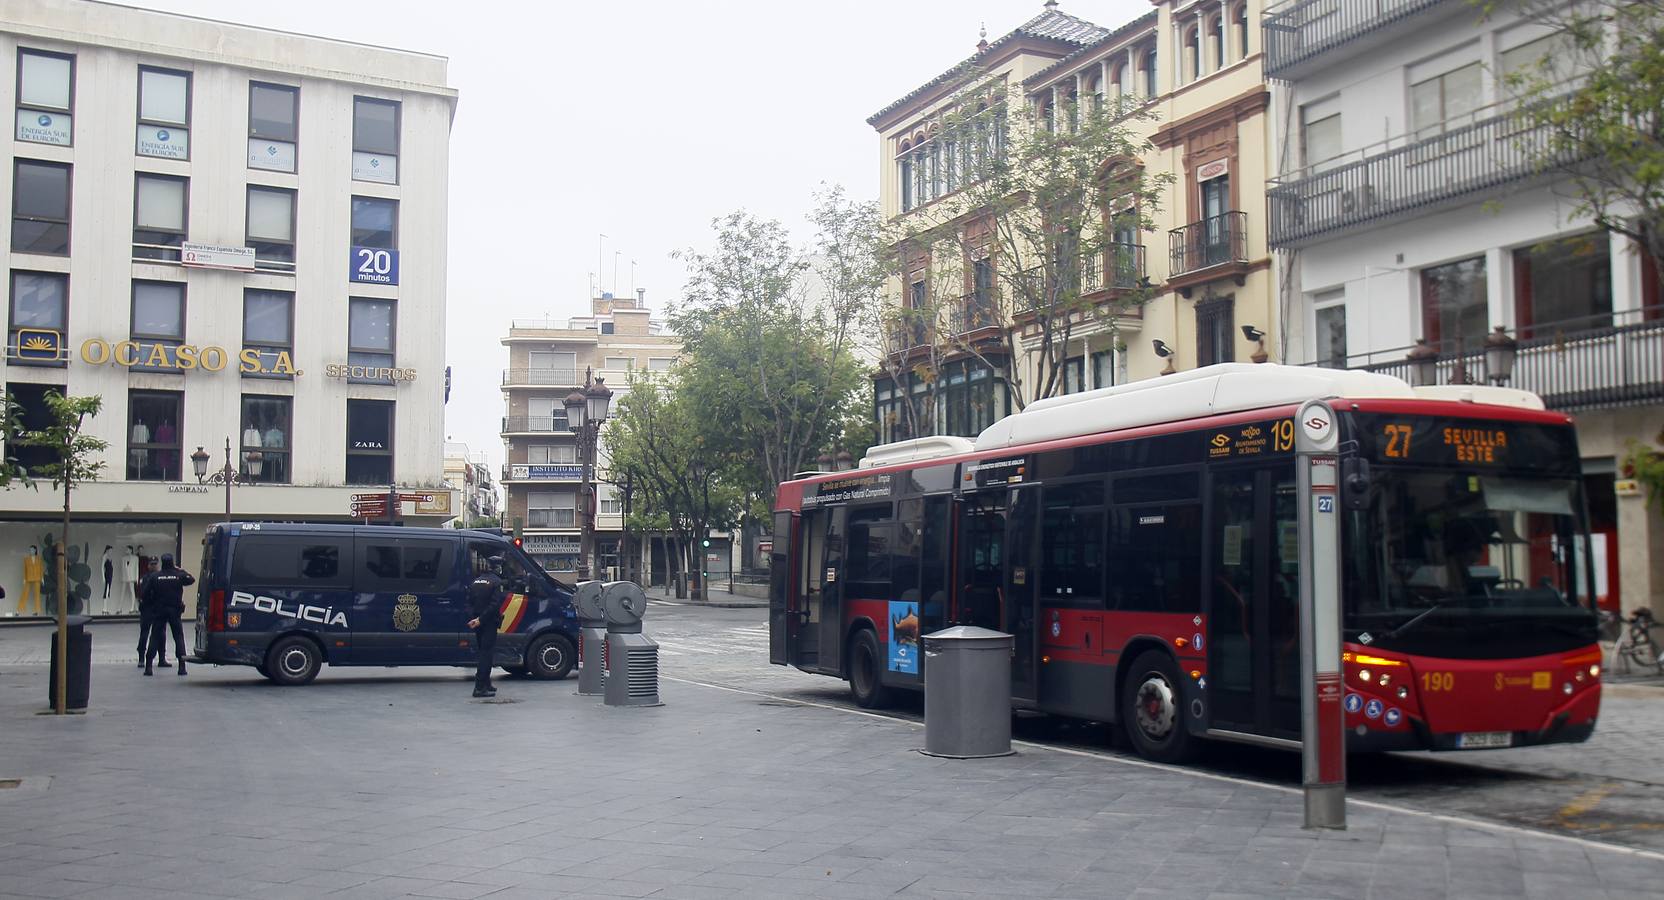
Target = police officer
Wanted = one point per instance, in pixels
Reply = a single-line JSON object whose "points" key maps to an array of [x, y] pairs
{"points": [[163, 591], [485, 598]]}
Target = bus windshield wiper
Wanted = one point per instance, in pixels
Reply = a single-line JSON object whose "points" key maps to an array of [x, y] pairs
{"points": [[1417, 618]]}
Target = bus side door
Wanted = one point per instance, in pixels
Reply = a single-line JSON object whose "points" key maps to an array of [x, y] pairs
{"points": [[783, 598], [819, 637], [1022, 573]]}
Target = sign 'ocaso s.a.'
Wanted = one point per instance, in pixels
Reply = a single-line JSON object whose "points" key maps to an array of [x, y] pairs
{"points": [[169, 357]]}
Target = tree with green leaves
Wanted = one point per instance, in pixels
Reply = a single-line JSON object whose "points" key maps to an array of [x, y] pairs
{"points": [[769, 357], [1035, 239], [1592, 109], [74, 461], [656, 438], [11, 425]]}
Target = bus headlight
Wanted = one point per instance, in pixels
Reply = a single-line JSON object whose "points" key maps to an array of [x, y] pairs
{"points": [[1385, 679], [1364, 674], [1403, 692], [1567, 687], [1594, 671]]}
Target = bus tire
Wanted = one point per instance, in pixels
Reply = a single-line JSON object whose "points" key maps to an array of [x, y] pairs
{"points": [[866, 669], [550, 658], [1152, 710], [293, 661]]}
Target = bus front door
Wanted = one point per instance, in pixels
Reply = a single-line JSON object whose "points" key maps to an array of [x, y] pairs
{"points": [[979, 600], [816, 633], [783, 598], [1253, 616]]}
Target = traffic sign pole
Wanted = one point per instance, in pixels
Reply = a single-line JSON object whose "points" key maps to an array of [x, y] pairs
{"points": [[1322, 725]]}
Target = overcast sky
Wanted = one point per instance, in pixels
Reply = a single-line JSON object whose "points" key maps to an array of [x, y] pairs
{"points": [[641, 121]]}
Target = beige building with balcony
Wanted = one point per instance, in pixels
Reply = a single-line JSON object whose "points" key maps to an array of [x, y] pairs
{"points": [[1194, 67], [542, 476]]}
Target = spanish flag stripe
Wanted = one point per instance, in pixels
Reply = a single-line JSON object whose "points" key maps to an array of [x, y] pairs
{"points": [[514, 609]]}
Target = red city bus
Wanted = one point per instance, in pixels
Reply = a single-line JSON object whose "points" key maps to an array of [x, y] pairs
{"points": [[1141, 544]]}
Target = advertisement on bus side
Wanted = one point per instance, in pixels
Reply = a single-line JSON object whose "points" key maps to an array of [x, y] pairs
{"points": [[904, 637]]}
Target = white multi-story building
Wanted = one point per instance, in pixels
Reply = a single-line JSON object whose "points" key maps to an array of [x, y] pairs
{"points": [[236, 237], [1406, 210], [469, 473]]}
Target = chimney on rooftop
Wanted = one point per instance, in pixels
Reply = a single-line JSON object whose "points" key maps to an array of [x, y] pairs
{"points": [[641, 297]]}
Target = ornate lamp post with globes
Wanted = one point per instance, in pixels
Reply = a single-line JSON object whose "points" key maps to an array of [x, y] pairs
{"points": [[227, 475], [586, 411]]}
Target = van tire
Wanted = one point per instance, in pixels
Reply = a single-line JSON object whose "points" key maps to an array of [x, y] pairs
{"points": [[550, 658], [293, 661], [866, 671]]}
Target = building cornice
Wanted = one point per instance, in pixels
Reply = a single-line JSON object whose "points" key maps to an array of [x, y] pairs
{"points": [[1248, 103]]}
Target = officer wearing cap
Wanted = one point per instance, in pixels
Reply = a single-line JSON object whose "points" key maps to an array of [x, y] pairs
{"points": [[163, 593], [485, 599]]}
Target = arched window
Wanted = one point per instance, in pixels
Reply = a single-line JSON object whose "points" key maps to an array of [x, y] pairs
{"points": [[1239, 22], [1119, 85], [1095, 90], [1191, 61], [1150, 73], [1071, 103], [1216, 39], [1048, 110], [906, 170]]}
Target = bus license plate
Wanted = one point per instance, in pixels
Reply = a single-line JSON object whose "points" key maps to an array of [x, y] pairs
{"points": [[1484, 740]]}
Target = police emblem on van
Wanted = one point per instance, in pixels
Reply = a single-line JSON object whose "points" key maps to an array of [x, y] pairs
{"points": [[232, 620], [407, 616]]}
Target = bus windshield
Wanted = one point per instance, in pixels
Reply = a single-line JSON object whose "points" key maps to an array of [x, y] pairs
{"points": [[1455, 564]]}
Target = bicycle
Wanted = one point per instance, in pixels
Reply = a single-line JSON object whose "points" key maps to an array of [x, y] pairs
{"points": [[1635, 644]]}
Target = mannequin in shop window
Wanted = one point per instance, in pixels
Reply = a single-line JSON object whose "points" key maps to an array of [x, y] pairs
{"points": [[140, 435], [166, 460], [130, 579], [274, 441], [251, 439], [34, 572], [109, 579]]}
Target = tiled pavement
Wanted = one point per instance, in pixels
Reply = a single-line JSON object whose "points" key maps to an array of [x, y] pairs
{"points": [[373, 783]]}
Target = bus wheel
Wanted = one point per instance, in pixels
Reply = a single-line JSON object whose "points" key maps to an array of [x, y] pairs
{"points": [[550, 658], [293, 661], [865, 668], [1152, 709]]}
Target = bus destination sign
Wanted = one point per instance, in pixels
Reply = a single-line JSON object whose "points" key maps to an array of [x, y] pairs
{"points": [[1252, 439], [844, 490], [1453, 441]]}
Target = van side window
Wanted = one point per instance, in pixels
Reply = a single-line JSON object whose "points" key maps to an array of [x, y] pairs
{"points": [[320, 561], [279, 561], [409, 565]]}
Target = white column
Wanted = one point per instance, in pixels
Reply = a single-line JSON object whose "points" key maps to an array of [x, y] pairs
{"points": [[1225, 30], [1626, 261], [1135, 88], [1103, 81], [1499, 288], [1201, 43]]}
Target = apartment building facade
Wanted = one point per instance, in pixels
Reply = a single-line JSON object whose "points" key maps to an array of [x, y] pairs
{"points": [[1192, 69], [237, 238], [548, 360], [468, 472], [1409, 217]]}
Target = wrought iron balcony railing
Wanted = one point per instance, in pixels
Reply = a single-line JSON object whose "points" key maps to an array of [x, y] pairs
{"points": [[1493, 146], [1214, 241], [1119, 266], [1305, 29], [1587, 363], [564, 377], [534, 424]]}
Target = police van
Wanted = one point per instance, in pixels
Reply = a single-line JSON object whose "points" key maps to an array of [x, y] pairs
{"points": [[286, 599]]}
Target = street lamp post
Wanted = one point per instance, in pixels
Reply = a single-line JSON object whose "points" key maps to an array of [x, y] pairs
{"points": [[586, 411], [227, 475]]}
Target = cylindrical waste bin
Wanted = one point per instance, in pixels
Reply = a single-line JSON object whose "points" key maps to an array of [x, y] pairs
{"points": [[79, 673], [592, 630], [967, 693]]}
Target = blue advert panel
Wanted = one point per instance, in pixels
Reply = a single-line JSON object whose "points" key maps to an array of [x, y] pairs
{"points": [[904, 637], [373, 265]]}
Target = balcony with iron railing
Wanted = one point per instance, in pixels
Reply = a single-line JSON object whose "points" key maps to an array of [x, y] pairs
{"points": [[535, 425], [561, 377], [1411, 174], [1118, 267], [1215, 247], [1593, 362], [1298, 33]]}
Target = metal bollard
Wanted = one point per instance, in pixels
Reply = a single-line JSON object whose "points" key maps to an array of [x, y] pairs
{"points": [[632, 659], [592, 631]]}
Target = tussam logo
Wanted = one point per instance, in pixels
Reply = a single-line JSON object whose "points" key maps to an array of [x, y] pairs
{"points": [[1220, 440], [323, 615]]}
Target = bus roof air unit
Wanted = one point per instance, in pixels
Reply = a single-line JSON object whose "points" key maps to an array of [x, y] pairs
{"points": [[1211, 390], [915, 450]]}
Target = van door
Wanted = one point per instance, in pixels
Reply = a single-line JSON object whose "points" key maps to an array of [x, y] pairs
{"points": [[406, 608]]}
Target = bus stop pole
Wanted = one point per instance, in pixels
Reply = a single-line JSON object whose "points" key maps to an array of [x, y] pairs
{"points": [[1322, 726]]}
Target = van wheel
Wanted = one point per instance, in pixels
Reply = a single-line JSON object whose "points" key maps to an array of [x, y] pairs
{"points": [[1152, 710], [293, 661], [550, 658], [866, 667]]}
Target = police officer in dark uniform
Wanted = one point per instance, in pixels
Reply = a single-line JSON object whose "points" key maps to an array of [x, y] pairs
{"points": [[485, 599], [163, 591]]}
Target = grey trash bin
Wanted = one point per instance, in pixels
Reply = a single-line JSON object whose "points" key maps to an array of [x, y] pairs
{"points": [[592, 630], [632, 657], [78, 676], [967, 693]]}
